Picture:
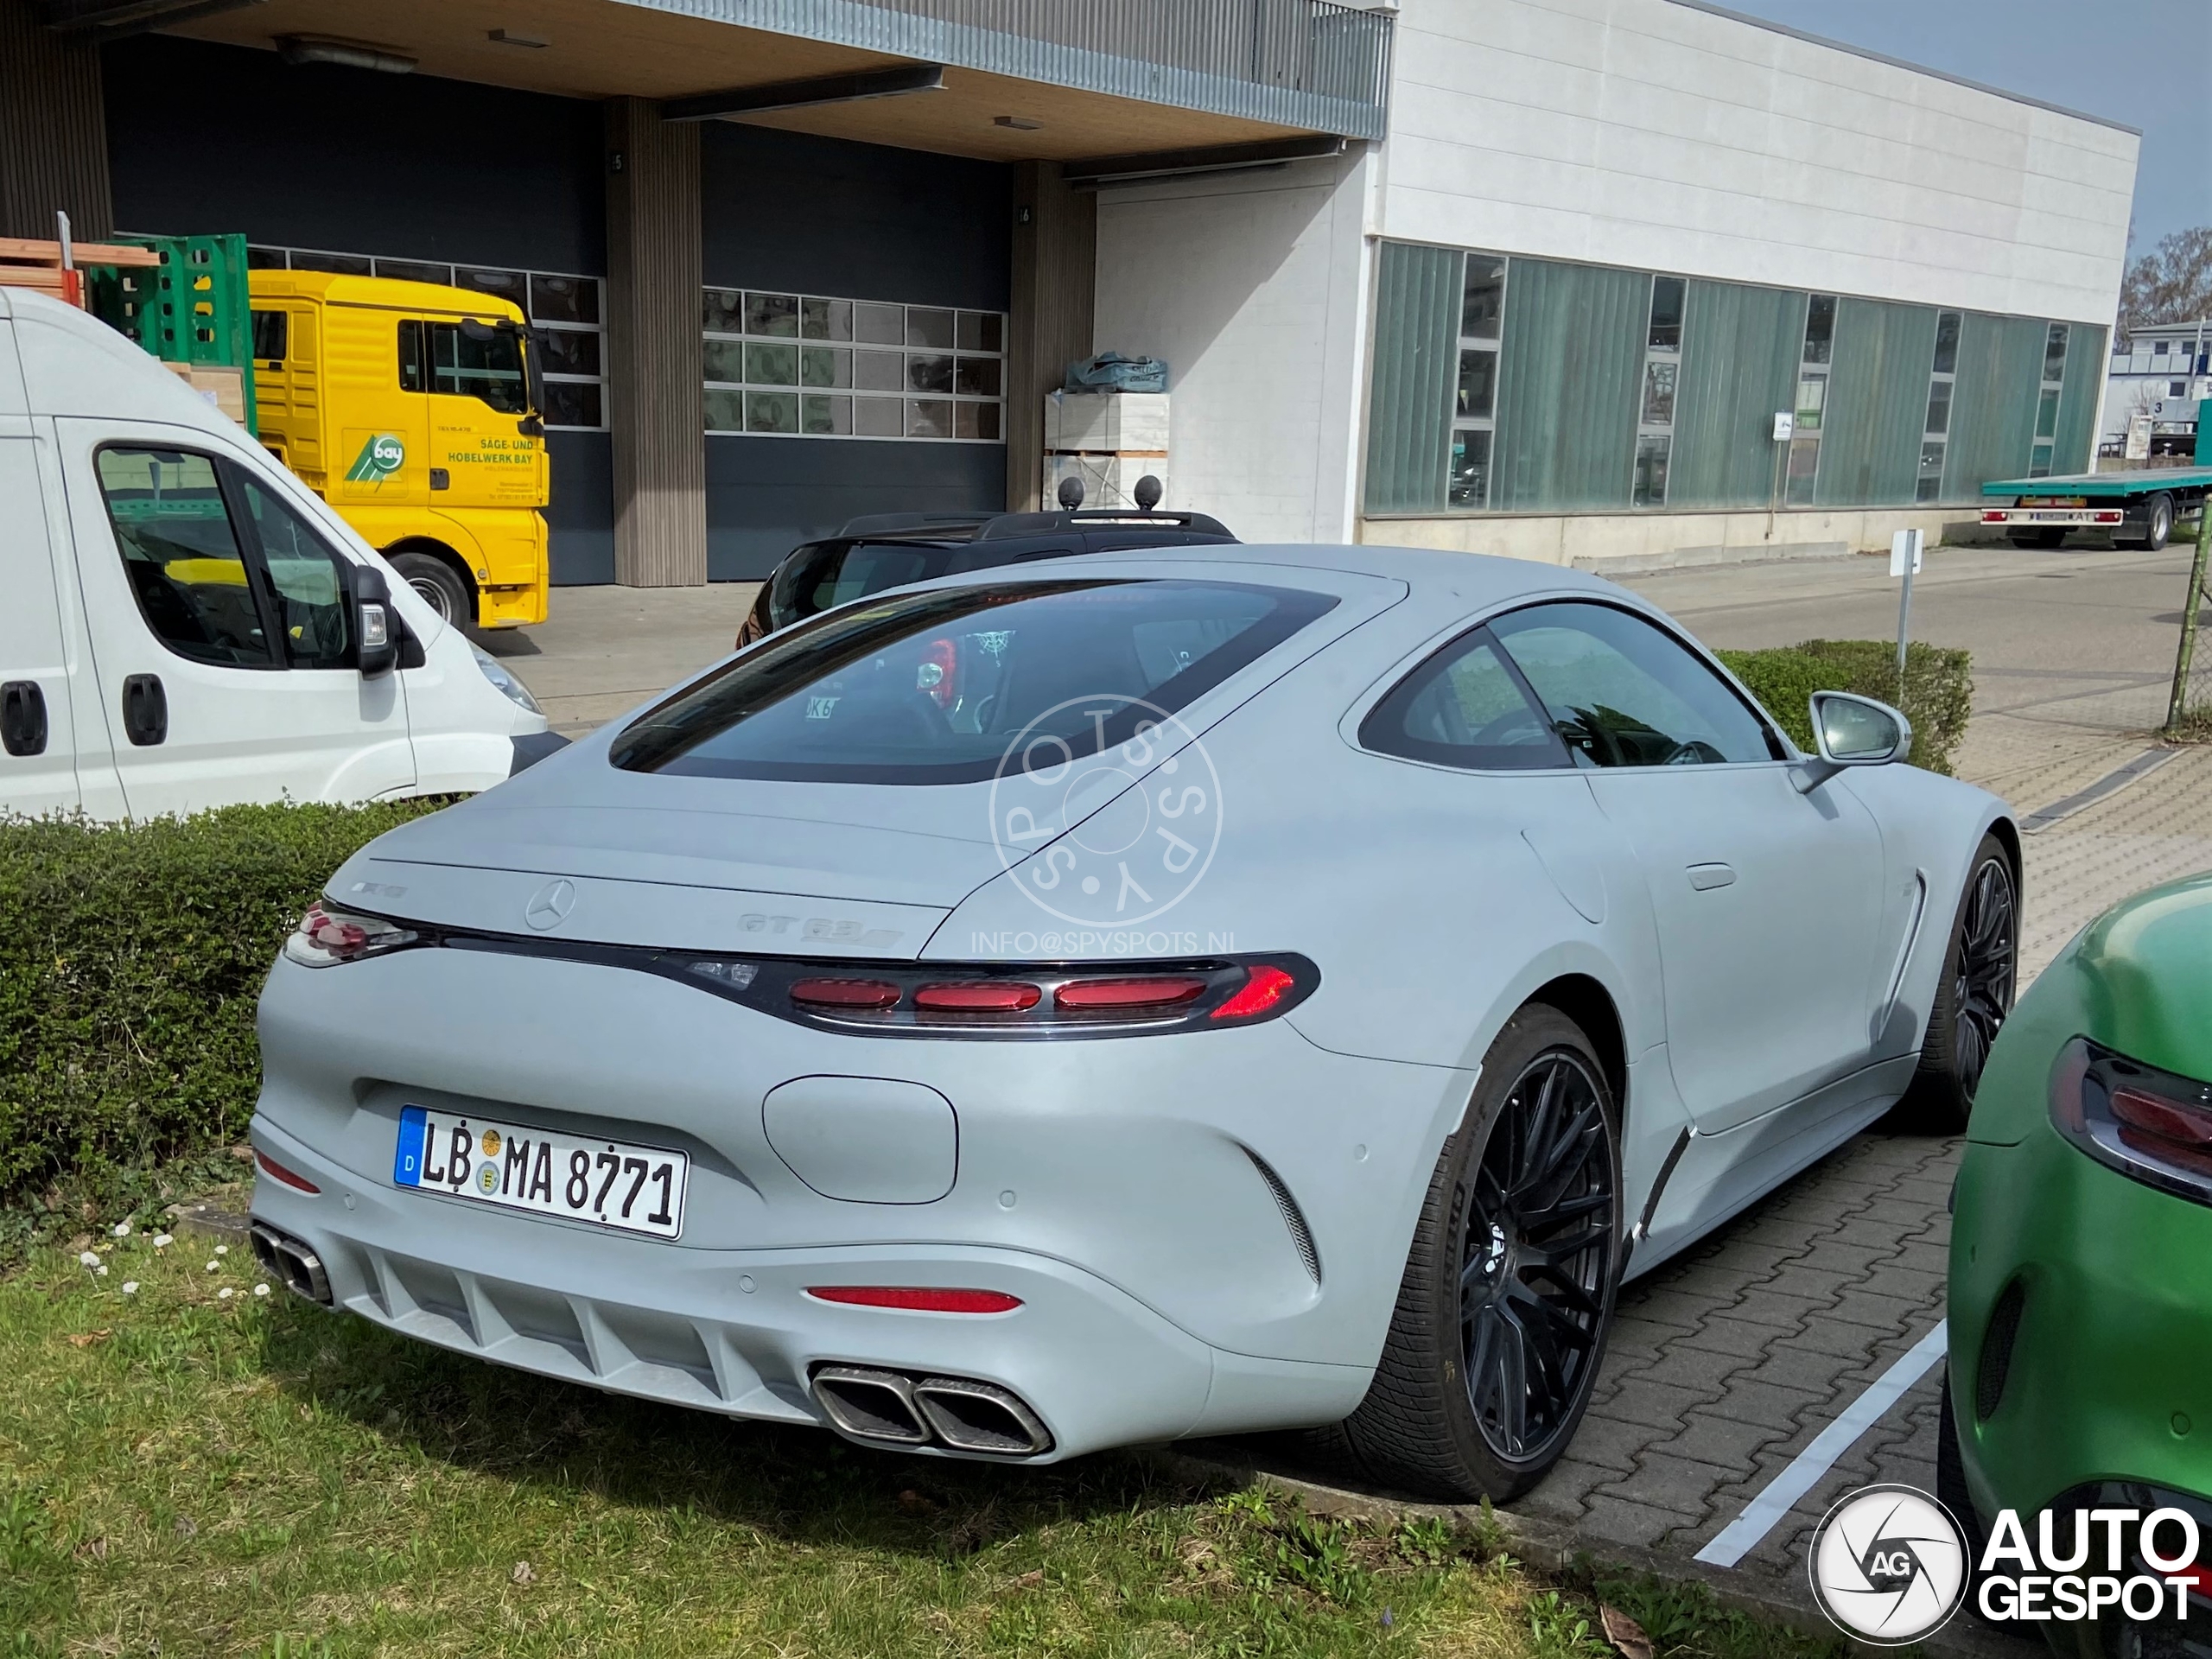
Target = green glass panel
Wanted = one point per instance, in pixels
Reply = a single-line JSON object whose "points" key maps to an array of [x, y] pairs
{"points": [[2078, 402], [1740, 370], [1416, 362], [1877, 404], [771, 365], [1569, 383], [1993, 408]]}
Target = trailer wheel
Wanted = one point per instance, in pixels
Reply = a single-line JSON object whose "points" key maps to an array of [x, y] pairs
{"points": [[2156, 525]]}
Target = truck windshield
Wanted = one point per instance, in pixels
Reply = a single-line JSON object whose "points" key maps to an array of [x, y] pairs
{"points": [[953, 685], [468, 359]]}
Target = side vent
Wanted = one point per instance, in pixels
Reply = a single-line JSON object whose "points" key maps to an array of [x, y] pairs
{"points": [[1301, 1235], [1996, 1362]]}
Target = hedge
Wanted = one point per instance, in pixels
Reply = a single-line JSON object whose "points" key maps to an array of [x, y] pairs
{"points": [[130, 960], [1937, 699]]}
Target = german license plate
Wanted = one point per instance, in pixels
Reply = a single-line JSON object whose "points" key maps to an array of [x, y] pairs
{"points": [[611, 1183]]}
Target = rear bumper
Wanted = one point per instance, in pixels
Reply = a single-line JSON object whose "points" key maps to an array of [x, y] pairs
{"points": [[733, 1331], [2055, 517]]}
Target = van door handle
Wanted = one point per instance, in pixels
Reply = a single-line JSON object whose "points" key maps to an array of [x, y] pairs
{"points": [[1706, 877], [22, 718], [145, 710]]}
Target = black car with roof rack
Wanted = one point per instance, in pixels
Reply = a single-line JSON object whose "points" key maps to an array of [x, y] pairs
{"points": [[894, 550]]}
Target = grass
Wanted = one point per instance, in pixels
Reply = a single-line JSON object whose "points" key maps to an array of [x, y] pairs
{"points": [[185, 1472], [182, 1472]]}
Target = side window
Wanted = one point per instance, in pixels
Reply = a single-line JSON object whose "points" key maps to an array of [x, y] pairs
{"points": [[1621, 693], [414, 357], [307, 587], [476, 360], [270, 328], [1464, 707], [181, 555]]}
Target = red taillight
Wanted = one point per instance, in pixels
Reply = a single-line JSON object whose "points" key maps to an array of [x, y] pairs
{"points": [[937, 674], [276, 1171], [1993, 516], [2164, 1128], [1266, 986], [846, 993], [1155, 991], [981, 997], [917, 1299]]}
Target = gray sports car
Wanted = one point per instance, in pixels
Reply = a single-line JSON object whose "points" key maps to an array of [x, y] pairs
{"points": [[1125, 998]]}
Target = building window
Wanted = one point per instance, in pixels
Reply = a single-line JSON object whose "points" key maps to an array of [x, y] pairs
{"points": [[1936, 429], [805, 365], [2047, 398], [1474, 407], [2176, 388], [564, 311], [1813, 358], [1662, 369]]}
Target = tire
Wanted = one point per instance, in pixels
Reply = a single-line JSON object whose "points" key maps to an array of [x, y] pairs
{"points": [[2153, 529], [438, 586], [1435, 1422], [1951, 1486], [2050, 536], [1973, 996]]}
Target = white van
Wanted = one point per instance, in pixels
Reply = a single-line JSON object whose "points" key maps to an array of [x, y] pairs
{"points": [[183, 624]]}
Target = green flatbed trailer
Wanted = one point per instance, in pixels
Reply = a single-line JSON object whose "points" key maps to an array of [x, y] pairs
{"points": [[2139, 509]]}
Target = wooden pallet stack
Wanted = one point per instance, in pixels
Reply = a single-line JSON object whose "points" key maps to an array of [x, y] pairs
{"points": [[57, 269]]}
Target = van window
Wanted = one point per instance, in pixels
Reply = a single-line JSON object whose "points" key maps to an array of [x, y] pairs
{"points": [[181, 555], [474, 360], [306, 582]]}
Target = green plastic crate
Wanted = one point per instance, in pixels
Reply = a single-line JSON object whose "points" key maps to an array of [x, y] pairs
{"points": [[193, 308]]}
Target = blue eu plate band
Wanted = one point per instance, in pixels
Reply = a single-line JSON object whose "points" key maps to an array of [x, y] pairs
{"points": [[407, 1162]]}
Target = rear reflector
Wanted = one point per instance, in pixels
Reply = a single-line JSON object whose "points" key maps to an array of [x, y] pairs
{"points": [[981, 997], [276, 1171], [1160, 991], [846, 993], [917, 1298], [1268, 985]]}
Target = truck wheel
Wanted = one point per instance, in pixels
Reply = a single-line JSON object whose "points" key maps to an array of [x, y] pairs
{"points": [[2157, 521], [434, 581]]}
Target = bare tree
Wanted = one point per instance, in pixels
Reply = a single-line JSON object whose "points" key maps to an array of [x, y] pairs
{"points": [[2170, 283]]}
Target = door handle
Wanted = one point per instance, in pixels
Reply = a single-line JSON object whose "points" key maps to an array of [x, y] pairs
{"points": [[22, 718], [145, 710], [1706, 877]]}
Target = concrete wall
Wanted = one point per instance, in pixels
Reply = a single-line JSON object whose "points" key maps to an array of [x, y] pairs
{"points": [[1253, 286], [1662, 136], [1613, 542]]}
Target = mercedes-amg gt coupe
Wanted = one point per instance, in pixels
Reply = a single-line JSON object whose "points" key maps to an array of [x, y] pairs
{"points": [[1125, 998]]}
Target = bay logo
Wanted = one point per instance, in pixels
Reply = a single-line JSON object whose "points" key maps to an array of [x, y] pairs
{"points": [[380, 457]]}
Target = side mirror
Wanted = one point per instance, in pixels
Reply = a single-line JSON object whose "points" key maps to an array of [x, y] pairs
{"points": [[1851, 731], [375, 644]]}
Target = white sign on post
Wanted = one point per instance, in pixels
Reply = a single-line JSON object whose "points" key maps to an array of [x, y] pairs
{"points": [[1785, 426], [2138, 447], [1904, 553]]}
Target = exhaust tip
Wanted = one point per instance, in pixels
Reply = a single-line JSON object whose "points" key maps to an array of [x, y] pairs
{"points": [[971, 1417], [875, 1406], [293, 1263]]}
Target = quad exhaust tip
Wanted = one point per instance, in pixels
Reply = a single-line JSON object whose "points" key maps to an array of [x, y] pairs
{"points": [[291, 1260], [888, 1408]]}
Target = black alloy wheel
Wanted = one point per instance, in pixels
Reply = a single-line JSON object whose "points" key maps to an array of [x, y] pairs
{"points": [[1502, 1315], [1982, 978], [1972, 997], [1536, 1235]]}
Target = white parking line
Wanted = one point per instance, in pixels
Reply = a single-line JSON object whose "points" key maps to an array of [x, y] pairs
{"points": [[1777, 1498]]}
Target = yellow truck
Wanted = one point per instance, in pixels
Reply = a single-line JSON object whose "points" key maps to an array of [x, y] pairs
{"points": [[414, 410]]}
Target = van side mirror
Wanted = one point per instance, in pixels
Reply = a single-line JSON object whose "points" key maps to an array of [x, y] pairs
{"points": [[1851, 731], [376, 644]]}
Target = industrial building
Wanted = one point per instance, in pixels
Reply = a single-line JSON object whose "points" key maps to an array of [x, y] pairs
{"points": [[1576, 280]]}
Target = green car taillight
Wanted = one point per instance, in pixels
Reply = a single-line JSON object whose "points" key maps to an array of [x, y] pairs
{"points": [[2151, 1125]]}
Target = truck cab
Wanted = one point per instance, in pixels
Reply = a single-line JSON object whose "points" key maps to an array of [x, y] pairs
{"points": [[414, 410]]}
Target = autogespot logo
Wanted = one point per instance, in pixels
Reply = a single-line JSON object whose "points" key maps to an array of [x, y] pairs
{"points": [[1136, 852], [1889, 1566]]}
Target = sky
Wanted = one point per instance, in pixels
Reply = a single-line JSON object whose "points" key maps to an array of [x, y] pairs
{"points": [[2148, 63]]}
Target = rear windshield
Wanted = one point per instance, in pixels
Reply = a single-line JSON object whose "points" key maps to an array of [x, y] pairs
{"points": [[942, 687]]}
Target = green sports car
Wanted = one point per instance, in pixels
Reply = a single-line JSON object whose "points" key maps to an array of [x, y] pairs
{"points": [[2080, 1287]]}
